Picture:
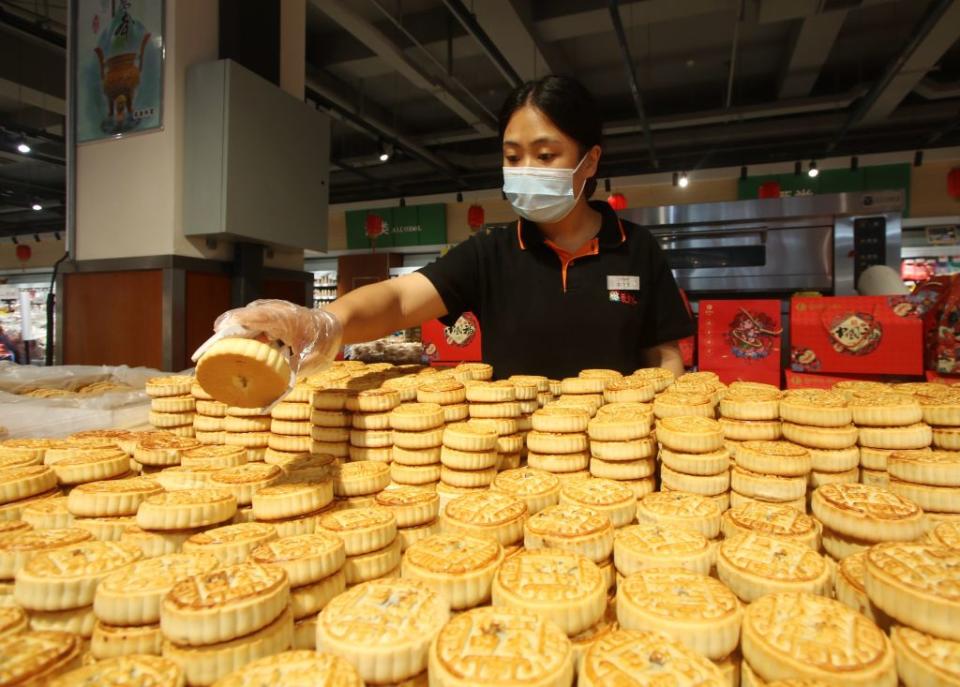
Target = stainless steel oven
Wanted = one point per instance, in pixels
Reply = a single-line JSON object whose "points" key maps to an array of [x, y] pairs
{"points": [[779, 246]]}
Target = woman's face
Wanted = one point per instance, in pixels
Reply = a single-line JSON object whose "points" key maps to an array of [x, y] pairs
{"points": [[532, 140]]}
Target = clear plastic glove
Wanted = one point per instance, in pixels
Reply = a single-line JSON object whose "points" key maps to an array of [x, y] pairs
{"points": [[310, 338]]}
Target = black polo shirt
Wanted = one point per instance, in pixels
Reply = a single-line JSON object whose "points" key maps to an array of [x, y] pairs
{"points": [[548, 312]]}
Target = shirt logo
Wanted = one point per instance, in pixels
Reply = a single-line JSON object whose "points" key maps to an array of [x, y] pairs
{"points": [[625, 297]]}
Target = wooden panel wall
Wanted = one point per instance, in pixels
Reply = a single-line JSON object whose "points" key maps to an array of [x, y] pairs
{"points": [[207, 296], [293, 290], [354, 271], [113, 318]]}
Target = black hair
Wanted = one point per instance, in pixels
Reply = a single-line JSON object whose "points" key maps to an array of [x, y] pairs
{"points": [[568, 104]]}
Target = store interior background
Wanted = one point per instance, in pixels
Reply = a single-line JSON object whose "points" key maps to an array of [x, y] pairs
{"points": [[725, 84]]}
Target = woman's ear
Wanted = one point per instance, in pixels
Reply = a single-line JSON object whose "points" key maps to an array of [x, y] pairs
{"points": [[592, 161]]}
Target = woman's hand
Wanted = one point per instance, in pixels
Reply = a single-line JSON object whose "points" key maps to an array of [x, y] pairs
{"points": [[312, 337]]}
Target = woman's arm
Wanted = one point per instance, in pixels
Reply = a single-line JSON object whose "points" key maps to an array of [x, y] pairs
{"points": [[374, 311], [665, 355]]}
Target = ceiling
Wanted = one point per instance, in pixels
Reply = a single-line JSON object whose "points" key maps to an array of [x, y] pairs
{"points": [[32, 110], [717, 83]]}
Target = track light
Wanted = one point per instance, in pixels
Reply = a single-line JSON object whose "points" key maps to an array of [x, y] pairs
{"points": [[813, 172], [56, 235], [36, 207], [36, 237], [683, 182], [14, 239], [459, 196], [23, 147], [676, 179], [743, 173], [854, 163], [798, 168], [606, 185], [918, 158], [386, 151], [403, 202]]}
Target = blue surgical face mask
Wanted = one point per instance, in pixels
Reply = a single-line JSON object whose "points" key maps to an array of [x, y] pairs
{"points": [[542, 194]]}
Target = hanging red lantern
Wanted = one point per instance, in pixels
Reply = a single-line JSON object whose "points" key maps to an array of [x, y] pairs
{"points": [[953, 183], [24, 252], [769, 189], [373, 226], [475, 217], [617, 201]]}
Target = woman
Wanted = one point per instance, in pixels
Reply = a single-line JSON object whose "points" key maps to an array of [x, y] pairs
{"points": [[569, 287]]}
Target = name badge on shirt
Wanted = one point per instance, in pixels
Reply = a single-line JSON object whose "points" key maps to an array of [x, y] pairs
{"points": [[623, 282]]}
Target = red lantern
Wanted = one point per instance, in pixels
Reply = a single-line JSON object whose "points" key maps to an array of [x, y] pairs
{"points": [[373, 226], [953, 183], [769, 189], [618, 201], [475, 217], [24, 252]]}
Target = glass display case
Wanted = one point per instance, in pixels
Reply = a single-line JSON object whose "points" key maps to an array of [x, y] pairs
{"points": [[23, 317], [931, 248], [324, 287]]}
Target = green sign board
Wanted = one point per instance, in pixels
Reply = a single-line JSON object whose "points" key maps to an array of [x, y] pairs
{"points": [[878, 178], [413, 225]]}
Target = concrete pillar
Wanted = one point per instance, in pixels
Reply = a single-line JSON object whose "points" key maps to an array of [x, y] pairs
{"points": [[139, 291]]}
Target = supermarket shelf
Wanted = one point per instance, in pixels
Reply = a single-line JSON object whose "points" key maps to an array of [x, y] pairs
{"points": [[930, 252], [913, 222]]}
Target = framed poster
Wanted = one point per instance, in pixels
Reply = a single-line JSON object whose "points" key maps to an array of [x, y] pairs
{"points": [[118, 67]]}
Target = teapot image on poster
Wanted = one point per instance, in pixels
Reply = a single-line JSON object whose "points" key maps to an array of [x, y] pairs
{"points": [[119, 67]]}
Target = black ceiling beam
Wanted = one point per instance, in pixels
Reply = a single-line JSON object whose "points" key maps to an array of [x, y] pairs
{"points": [[13, 131], [632, 79], [381, 132], [35, 29], [934, 13], [472, 26], [356, 171], [32, 132], [31, 189], [949, 129], [36, 155], [731, 144], [41, 228]]}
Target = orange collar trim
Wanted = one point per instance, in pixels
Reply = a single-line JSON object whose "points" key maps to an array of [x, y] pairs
{"points": [[523, 246]]}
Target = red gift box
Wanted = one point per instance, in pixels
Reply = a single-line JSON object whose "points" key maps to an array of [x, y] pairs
{"points": [[937, 378], [456, 344], [877, 335], [740, 340]]}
